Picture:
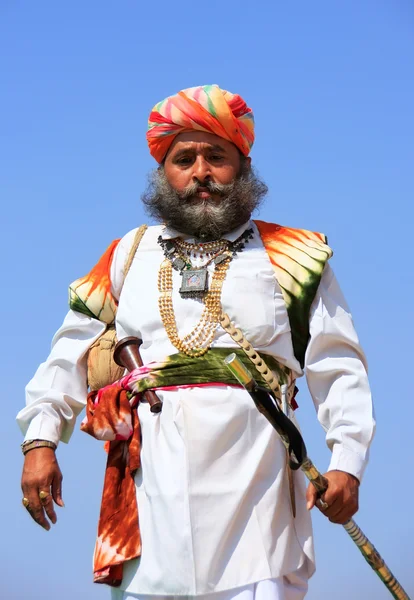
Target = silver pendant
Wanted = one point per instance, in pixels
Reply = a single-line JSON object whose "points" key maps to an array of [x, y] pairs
{"points": [[194, 283], [178, 264]]}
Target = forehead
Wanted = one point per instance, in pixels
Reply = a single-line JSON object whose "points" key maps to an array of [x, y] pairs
{"points": [[199, 141]]}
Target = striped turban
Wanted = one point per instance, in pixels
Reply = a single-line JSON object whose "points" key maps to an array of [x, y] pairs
{"points": [[203, 108]]}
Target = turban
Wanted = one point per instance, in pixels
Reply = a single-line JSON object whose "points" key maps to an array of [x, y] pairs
{"points": [[203, 108]]}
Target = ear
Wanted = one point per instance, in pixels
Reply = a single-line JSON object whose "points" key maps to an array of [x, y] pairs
{"points": [[245, 164]]}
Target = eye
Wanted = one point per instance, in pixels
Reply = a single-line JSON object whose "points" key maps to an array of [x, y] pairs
{"points": [[216, 157], [184, 161]]}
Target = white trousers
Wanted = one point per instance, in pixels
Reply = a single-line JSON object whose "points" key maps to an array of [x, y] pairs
{"points": [[292, 587]]}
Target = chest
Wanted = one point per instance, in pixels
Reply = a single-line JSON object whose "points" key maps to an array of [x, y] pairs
{"points": [[250, 295]]}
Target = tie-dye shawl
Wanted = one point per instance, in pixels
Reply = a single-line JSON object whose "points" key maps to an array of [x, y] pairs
{"points": [[298, 258], [92, 295]]}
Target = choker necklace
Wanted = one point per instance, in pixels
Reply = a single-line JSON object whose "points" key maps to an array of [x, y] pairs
{"points": [[204, 249], [195, 285]]}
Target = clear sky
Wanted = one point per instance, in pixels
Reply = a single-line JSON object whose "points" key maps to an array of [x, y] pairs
{"points": [[331, 86]]}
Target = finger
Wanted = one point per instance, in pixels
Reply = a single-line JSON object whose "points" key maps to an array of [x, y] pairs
{"points": [[57, 490], [311, 496], [47, 503], [332, 494], [343, 512], [35, 508], [328, 509], [341, 518], [331, 509], [340, 512], [322, 505], [341, 509]]}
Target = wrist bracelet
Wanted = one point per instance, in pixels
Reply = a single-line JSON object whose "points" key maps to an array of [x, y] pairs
{"points": [[31, 444]]}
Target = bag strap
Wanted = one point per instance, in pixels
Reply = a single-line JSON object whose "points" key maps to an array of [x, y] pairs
{"points": [[137, 240], [135, 244]]}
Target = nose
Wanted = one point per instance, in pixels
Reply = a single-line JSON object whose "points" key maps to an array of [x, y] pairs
{"points": [[201, 170]]}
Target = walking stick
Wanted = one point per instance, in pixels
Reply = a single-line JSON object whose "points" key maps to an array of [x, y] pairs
{"points": [[293, 441]]}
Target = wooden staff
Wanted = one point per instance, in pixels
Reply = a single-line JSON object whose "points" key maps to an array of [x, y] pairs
{"points": [[293, 441], [127, 355]]}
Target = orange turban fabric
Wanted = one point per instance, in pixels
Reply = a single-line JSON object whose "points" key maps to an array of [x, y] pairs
{"points": [[203, 108]]}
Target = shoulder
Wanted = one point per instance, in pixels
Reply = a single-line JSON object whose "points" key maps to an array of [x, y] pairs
{"points": [[138, 239], [96, 294], [307, 248], [142, 236], [273, 231], [299, 258]]}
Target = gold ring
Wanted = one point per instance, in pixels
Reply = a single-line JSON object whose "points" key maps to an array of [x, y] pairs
{"points": [[25, 502], [43, 495]]}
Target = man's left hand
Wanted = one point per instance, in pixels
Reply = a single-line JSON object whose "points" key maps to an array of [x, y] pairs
{"points": [[341, 497]]}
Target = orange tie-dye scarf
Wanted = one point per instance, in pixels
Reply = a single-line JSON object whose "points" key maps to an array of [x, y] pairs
{"points": [[119, 538]]}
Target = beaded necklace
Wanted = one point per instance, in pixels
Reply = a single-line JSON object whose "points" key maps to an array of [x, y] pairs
{"points": [[206, 248], [195, 279], [195, 284]]}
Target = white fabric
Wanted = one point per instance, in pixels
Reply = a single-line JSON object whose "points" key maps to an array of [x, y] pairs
{"points": [[284, 588], [214, 506]]}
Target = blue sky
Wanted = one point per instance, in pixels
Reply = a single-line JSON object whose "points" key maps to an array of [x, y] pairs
{"points": [[332, 90]]}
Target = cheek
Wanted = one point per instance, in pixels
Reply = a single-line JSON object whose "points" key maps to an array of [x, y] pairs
{"points": [[225, 174], [178, 178]]}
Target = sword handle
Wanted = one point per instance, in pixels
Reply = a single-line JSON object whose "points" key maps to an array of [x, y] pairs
{"points": [[127, 355]]}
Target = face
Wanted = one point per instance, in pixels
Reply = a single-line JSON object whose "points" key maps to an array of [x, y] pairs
{"points": [[197, 161], [205, 188]]}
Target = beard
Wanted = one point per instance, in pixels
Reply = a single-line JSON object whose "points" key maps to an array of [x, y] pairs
{"points": [[204, 218]]}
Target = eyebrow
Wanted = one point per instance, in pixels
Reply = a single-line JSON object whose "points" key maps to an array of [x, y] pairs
{"points": [[189, 149]]}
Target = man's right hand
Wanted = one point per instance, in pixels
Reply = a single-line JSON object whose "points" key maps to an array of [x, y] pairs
{"points": [[41, 473]]}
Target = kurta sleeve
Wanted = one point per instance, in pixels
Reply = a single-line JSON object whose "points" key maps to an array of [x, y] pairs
{"points": [[57, 393], [336, 373]]}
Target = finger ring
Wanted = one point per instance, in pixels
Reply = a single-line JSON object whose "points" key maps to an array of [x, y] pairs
{"points": [[25, 502], [322, 504], [43, 495]]}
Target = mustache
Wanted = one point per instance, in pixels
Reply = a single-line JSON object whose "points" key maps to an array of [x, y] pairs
{"points": [[221, 189], [206, 219]]}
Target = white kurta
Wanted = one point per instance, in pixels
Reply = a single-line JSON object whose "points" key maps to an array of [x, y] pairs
{"points": [[213, 501]]}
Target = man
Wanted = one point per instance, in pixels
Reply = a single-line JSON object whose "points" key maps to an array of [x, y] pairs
{"points": [[217, 515]]}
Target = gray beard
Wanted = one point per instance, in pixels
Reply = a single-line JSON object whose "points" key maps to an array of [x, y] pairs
{"points": [[204, 219]]}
